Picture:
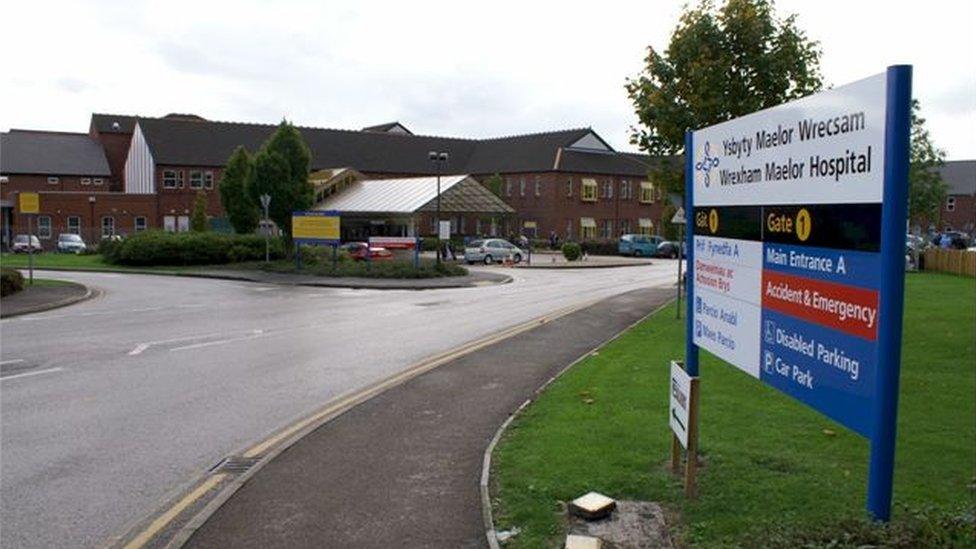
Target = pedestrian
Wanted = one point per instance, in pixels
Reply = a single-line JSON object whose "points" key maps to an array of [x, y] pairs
{"points": [[552, 240]]}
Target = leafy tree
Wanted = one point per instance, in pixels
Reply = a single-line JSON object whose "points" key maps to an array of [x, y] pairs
{"points": [[495, 184], [720, 64], [242, 210], [281, 170], [926, 190], [198, 219]]}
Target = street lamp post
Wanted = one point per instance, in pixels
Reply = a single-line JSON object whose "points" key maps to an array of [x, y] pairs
{"points": [[439, 159], [265, 201], [91, 203]]}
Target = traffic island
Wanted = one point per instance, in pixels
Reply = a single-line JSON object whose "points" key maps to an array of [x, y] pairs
{"points": [[43, 295]]}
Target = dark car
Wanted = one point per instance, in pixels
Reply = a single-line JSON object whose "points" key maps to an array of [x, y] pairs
{"points": [[357, 251], [669, 248], [957, 240]]}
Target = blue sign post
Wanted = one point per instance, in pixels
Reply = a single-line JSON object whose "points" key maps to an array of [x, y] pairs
{"points": [[796, 253]]}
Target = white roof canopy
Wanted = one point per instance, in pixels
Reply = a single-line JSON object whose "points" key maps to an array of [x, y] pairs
{"points": [[389, 195]]}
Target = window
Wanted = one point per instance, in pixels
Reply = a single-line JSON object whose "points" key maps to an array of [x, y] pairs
{"points": [[609, 187], [4, 179], [44, 227], [477, 226], [607, 228], [169, 179], [521, 186], [183, 223], [508, 187], [647, 192], [86, 181], [569, 189], [74, 225], [54, 180], [950, 203], [626, 191], [589, 190], [645, 226], [98, 181], [538, 186], [624, 226], [588, 226], [196, 179], [208, 179], [140, 223], [108, 226], [169, 223], [569, 225]]}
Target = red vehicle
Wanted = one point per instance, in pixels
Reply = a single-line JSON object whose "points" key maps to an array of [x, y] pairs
{"points": [[357, 251]]}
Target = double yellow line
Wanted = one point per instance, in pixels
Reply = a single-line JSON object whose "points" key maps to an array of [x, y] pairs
{"points": [[337, 407]]}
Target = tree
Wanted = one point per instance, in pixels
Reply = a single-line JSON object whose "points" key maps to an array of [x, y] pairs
{"points": [[198, 220], [242, 210], [495, 184], [281, 171], [926, 190], [720, 64]]}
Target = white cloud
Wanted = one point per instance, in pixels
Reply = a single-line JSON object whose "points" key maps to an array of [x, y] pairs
{"points": [[453, 68]]}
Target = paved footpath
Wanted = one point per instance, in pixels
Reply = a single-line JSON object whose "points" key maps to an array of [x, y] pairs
{"points": [[402, 469]]}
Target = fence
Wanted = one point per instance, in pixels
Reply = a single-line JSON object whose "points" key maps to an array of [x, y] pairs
{"points": [[961, 262]]}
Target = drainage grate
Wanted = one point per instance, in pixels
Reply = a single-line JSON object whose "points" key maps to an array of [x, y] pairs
{"points": [[234, 465]]}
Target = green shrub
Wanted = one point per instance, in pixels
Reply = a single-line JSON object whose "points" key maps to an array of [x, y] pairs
{"points": [[152, 248], [599, 247], [572, 251], [11, 281], [373, 269]]}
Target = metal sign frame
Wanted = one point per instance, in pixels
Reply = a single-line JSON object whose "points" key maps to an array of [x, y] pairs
{"points": [[890, 283]]}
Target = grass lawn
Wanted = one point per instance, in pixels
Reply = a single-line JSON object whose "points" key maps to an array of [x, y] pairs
{"points": [[50, 259], [45, 283], [770, 463]]}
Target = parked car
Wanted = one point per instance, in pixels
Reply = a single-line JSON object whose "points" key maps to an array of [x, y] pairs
{"points": [[71, 243], [958, 240], [669, 248], [23, 244], [638, 245], [490, 250], [357, 251]]}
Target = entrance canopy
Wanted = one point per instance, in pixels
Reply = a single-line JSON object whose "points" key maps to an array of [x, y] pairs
{"points": [[459, 194]]}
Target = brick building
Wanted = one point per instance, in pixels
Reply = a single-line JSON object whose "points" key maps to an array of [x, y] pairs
{"points": [[570, 182], [959, 211]]}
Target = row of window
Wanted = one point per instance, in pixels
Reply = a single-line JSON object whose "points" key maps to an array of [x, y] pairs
{"points": [[73, 225], [84, 180], [588, 228], [591, 191], [199, 179]]}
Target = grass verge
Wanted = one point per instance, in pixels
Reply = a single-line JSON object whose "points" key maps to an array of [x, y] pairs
{"points": [[375, 269], [775, 472]]}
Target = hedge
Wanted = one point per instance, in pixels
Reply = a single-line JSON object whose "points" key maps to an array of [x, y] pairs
{"points": [[163, 248], [11, 281]]}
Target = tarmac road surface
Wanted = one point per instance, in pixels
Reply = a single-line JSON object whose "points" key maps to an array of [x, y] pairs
{"points": [[110, 406]]}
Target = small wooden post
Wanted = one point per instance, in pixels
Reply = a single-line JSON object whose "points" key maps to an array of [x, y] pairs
{"points": [[675, 454], [691, 468]]}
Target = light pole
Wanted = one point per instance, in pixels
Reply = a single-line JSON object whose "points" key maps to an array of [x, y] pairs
{"points": [[91, 203], [265, 201], [439, 159]]}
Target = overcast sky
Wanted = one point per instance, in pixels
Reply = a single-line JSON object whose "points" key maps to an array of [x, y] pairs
{"points": [[456, 68]]}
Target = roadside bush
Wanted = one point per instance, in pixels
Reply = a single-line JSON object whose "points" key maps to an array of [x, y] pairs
{"points": [[572, 251], [597, 247], [204, 248], [374, 269], [11, 281]]}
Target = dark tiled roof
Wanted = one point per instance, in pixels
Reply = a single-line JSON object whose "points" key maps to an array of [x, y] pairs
{"points": [[189, 143], [960, 176], [51, 153], [386, 127]]}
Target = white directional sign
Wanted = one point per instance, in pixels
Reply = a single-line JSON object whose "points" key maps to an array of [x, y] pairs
{"points": [[680, 402]]}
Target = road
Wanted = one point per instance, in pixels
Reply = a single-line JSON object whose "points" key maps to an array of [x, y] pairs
{"points": [[111, 406]]}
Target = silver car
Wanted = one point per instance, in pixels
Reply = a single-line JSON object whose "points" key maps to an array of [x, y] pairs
{"points": [[70, 243], [490, 250]]}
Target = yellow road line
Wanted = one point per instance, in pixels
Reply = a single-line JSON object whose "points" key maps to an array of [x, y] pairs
{"points": [[164, 519]]}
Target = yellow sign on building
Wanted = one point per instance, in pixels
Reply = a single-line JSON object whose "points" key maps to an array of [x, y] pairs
{"points": [[313, 226], [30, 203]]}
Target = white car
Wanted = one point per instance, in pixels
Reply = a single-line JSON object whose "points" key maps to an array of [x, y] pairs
{"points": [[491, 250]]}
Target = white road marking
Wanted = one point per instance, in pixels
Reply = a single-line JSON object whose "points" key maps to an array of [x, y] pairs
{"points": [[139, 349], [266, 288], [11, 361], [35, 373], [254, 334]]}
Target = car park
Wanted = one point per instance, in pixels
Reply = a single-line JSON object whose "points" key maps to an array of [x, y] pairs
{"points": [[357, 251], [638, 245], [491, 250], [71, 243], [23, 244]]}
